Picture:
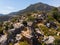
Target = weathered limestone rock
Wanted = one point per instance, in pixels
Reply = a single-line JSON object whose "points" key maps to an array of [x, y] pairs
{"points": [[17, 25], [27, 33], [3, 39], [49, 40], [29, 23], [18, 37], [58, 34]]}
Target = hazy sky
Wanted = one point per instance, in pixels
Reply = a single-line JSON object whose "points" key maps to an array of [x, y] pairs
{"points": [[7, 6]]}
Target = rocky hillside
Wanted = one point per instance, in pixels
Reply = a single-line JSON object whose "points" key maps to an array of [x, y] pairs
{"points": [[32, 8], [33, 28]]}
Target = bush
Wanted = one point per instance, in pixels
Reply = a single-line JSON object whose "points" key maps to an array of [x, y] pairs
{"points": [[50, 18], [10, 44], [30, 18], [1, 29], [23, 43], [44, 29], [47, 32], [58, 29]]}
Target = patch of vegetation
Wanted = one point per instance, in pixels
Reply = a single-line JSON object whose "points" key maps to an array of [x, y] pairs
{"points": [[30, 18], [48, 31], [23, 43], [56, 14], [50, 18], [10, 44]]}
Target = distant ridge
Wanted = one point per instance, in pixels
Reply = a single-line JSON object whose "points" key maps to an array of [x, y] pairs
{"points": [[1, 14], [34, 7]]}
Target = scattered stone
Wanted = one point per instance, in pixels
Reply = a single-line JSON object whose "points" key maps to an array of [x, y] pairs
{"points": [[3, 39], [51, 24], [58, 34], [18, 37], [27, 33], [29, 23], [38, 31], [49, 40], [17, 25]]}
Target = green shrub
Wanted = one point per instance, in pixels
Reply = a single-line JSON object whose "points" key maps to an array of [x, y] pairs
{"points": [[1, 29], [10, 44], [30, 18], [24, 43], [44, 29], [50, 18], [47, 31], [58, 29]]}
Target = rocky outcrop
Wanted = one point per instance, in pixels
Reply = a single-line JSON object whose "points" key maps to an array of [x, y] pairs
{"points": [[3, 39], [49, 40]]}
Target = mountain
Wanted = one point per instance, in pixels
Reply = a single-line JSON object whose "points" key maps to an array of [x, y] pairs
{"points": [[34, 7], [5, 17], [1, 14]]}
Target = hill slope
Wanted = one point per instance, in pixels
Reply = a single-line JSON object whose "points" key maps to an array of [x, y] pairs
{"points": [[34, 7]]}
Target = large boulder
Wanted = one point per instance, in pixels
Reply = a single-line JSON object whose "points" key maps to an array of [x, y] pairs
{"points": [[3, 39], [49, 40], [51, 24], [29, 23], [17, 25], [18, 37], [27, 33]]}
